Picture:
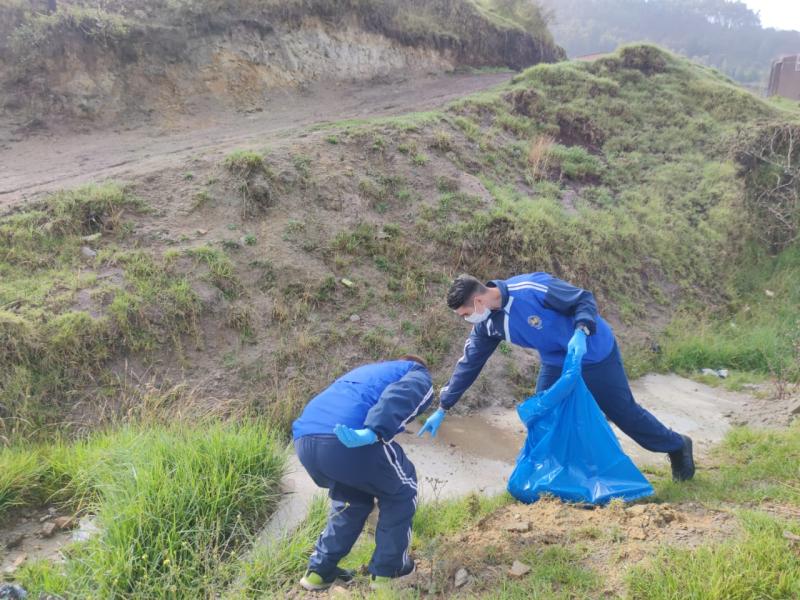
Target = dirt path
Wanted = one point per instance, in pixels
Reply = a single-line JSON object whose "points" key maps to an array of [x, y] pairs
{"points": [[55, 160]]}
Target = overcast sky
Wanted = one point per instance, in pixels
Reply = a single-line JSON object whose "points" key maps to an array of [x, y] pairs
{"points": [[780, 14]]}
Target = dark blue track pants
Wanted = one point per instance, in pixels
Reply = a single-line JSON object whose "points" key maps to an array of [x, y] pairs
{"points": [[609, 386], [355, 477]]}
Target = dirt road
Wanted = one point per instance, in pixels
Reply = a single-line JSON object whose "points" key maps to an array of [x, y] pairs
{"points": [[53, 160]]}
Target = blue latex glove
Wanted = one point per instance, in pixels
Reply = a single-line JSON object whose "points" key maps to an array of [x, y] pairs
{"points": [[353, 438], [433, 423], [577, 345]]}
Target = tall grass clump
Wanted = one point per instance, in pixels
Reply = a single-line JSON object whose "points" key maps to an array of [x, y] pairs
{"points": [[275, 566], [174, 505]]}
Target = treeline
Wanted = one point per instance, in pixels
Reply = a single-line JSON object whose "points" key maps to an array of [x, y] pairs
{"points": [[719, 33]]}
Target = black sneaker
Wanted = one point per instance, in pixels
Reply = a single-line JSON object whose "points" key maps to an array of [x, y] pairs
{"points": [[314, 582], [682, 461]]}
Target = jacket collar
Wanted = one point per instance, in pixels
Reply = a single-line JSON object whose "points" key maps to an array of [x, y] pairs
{"points": [[500, 285]]}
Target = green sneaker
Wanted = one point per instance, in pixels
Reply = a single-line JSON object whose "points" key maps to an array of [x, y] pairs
{"points": [[314, 582], [405, 576]]}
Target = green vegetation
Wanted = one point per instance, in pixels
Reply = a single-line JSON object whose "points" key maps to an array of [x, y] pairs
{"points": [[760, 563], [174, 505], [759, 332], [754, 467], [725, 35], [244, 162], [38, 31], [275, 566]]}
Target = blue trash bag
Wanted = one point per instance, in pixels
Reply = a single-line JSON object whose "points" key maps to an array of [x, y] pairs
{"points": [[571, 451]]}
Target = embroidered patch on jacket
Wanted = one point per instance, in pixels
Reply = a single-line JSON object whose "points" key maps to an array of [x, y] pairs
{"points": [[535, 321]]}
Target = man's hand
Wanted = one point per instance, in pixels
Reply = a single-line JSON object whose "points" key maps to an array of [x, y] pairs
{"points": [[577, 345], [433, 423], [353, 438]]}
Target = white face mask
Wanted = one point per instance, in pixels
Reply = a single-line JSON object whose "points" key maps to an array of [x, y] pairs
{"points": [[478, 317]]}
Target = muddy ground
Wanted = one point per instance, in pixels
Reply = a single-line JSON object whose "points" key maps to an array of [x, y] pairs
{"points": [[36, 161]]}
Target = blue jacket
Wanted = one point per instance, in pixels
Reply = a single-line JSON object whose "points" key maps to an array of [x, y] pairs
{"points": [[381, 396], [538, 311]]}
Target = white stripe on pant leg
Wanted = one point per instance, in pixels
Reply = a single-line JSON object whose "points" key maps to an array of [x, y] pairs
{"points": [[410, 481], [408, 547], [400, 475]]}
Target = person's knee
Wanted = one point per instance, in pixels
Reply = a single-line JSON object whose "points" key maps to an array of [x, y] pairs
{"points": [[403, 502]]}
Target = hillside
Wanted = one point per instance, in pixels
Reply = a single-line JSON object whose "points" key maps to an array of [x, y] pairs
{"points": [[113, 61], [223, 277], [723, 34]]}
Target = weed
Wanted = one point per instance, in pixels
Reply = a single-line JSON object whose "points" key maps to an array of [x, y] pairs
{"points": [[420, 159]]}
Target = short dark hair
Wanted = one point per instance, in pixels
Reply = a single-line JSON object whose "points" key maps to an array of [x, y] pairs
{"points": [[462, 289], [414, 358]]}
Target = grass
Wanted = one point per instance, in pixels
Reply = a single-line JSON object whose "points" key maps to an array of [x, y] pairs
{"points": [[642, 139], [51, 344], [174, 505], [158, 303], [221, 270], [758, 333], [760, 563], [555, 573], [37, 31], [276, 566], [753, 467], [20, 471], [244, 162]]}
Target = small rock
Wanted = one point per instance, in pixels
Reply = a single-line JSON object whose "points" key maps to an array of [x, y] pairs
{"points": [[202, 231], [355, 318], [461, 578], [62, 523], [792, 537], [795, 410], [9, 591], [636, 510], [88, 252], [637, 533], [519, 570], [48, 529], [769, 293], [15, 541], [18, 562], [518, 527]]}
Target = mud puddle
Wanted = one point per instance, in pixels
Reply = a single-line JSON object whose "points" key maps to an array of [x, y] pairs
{"points": [[477, 453]]}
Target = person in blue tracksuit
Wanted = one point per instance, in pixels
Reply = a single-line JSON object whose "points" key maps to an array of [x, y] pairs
{"points": [[345, 440], [539, 311]]}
